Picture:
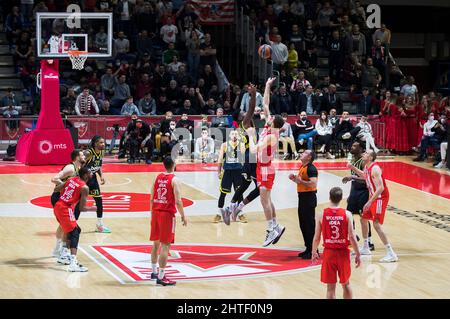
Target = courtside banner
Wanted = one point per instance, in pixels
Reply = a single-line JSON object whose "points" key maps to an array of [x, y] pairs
{"points": [[214, 12]]}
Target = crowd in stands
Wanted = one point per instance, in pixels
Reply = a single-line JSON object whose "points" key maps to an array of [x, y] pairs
{"points": [[164, 61]]}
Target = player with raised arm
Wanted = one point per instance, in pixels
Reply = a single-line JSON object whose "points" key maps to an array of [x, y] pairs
{"points": [[335, 224], [375, 208], [70, 170], [265, 151], [249, 167], [165, 201], [74, 192]]}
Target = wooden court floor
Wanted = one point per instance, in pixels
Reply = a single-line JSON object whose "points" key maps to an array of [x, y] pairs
{"points": [[418, 225]]}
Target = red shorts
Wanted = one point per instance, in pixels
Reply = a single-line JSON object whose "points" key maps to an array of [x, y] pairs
{"points": [[163, 227], [265, 176], [335, 262], [65, 217], [377, 210]]}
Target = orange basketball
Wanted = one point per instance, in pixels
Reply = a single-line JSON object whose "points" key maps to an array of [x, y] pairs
{"points": [[265, 51]]}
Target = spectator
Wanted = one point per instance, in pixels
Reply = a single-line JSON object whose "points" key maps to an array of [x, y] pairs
{"points": [[269, 15], [331, 100], [143, 86], [309, 58], [308, 102], [163, 105], [193, 48], [220, 120], [209, 77], [324, 134], [287, 137], [101, 40], [29, 73], [304, 130], [68, 102], [108, 81], [310, 35], [23, 49], [410, 88], [124, 11], [300, 82], [14, 24], [285, 20], [442, 129], [246, 101], [170, 53], [121, 93], [161, 78], [204, 150], [121, 46], [345, 132], [370, 76], [174, 66], [296, 37], [144, 44], [298, 10], [210, 107], [185, 122], [356, 43], [169, 32], [279, 52], [106, 108], [333, 118], [147, 105], [292, 57], [365, 103], [168, 138], [325, 17], [282, 101], [208, 52], [429, 138], [378, 55], [182, 78], [345, 27], [11, 112], [146, 19], [86, 104], [336, 56], [129, 107], [9, 98], [383, 34], [366, 134], [173, 94]]}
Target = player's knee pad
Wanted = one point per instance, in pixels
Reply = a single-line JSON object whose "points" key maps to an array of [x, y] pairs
{"points": [[74, 237]]}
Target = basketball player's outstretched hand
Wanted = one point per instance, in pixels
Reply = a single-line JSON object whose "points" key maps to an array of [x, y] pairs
{"points": [[184, 220]]}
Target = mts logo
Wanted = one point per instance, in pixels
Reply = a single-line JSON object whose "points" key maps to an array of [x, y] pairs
{"points": [[60, 146]]}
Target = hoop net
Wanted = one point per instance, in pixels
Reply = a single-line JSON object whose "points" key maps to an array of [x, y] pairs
{"points": [[78, 58]]}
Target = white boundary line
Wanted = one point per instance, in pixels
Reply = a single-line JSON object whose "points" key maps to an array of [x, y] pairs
{"points": [[101, 266]]}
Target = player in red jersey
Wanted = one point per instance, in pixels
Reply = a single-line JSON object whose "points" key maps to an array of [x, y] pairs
{"points": [[375, 208], [265, 151], [61, 252], [73, 192], [335, 224], [165, 201]]}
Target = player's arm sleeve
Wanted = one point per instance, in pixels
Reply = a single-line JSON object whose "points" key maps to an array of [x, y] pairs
{"points": [[94, 103], [77, 106]]}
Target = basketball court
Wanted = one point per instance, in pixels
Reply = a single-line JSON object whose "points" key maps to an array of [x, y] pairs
{"points": [[214, 260], [208, 260]]}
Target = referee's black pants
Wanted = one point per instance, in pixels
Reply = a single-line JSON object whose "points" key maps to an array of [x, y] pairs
{"points": [[307, 202]]}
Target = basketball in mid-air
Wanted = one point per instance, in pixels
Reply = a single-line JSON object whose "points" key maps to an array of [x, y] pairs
{"points": [[265, 51]]}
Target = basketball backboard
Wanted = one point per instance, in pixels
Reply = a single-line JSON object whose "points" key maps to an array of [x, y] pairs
{"points": [[60, 32]]}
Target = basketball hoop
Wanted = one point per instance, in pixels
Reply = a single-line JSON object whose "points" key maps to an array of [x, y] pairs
{"points": [[78, 58]]}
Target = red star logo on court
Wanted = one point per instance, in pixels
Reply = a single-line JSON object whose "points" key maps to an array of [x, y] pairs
{"points": [[208, 261]]}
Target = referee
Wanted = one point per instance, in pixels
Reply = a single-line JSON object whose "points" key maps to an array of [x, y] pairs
{"points": [[306, 181], [359, 193]]}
